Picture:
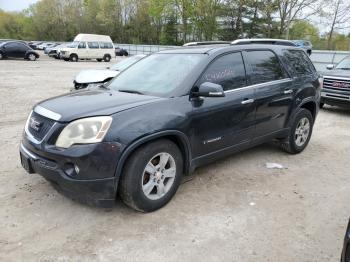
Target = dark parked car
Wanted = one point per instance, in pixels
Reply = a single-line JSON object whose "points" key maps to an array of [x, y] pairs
{"points": [[17, 49], [121, 52], [168, 114], [345, 256], [336, 84]]}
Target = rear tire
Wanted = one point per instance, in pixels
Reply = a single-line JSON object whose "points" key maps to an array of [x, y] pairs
{"points": [[151, 176], [299, 133], [107, 58], [321, 105], [99, 60], [73, 58], [1, 56]]}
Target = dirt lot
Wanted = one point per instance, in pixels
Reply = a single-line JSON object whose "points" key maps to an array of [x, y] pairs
{"points": [[233, 210]]}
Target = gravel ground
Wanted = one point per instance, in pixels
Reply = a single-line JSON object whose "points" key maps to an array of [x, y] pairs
{"points": [[233, 210]]}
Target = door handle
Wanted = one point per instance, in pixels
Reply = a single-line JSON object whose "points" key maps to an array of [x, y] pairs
{"points": [[288, 91], [247, 101]]}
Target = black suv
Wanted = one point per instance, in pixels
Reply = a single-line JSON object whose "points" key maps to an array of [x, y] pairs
{"points": [[168, 114]]}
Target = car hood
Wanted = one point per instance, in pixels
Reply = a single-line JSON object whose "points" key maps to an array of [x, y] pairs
{"points": [[337, 73], [87, 103], [94, 76]]}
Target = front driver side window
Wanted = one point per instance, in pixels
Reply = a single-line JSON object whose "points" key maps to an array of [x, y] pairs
{"points": [[82, 45], [227, 70]]}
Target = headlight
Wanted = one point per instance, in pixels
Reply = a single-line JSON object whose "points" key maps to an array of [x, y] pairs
{"points": [[84, 131]]}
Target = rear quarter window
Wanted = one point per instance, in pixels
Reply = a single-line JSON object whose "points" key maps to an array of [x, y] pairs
{"points": [[265, 67], [299, 63], [106, 45]]}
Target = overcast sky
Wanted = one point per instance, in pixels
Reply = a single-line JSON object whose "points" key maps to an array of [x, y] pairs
{"points": [[15, 5]]}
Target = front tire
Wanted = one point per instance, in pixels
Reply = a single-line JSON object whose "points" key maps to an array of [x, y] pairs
{"points": [[73, 58], [151, 176], [1, 56], [299, 133], [321, 105]]}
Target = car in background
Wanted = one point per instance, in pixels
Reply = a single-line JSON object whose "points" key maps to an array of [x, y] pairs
{"points": [[100, 76], [55, 51], [121, 51], [34, 44], [44, 45], [206, 43], [336, 84], [264, 41], [304, 44], [168, 114], [11, 40], [345, 256], [89, 46], [17, 49], [49, 48]]}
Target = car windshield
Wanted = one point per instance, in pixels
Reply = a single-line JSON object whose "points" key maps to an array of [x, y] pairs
{"points": [[157, 74], [73, 45], [344, 64], [124, 64]]}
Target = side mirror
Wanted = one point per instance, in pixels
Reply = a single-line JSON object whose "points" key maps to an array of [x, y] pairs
{"points": [[208, 89], [330, 67]]}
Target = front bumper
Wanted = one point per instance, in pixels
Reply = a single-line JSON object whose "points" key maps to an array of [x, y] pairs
{"points": [[93, 182], [335, 98]]}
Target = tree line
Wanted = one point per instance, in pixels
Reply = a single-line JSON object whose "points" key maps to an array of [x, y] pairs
{"points": [[174, 22]]}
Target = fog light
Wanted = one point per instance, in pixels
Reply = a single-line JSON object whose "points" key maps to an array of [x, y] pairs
{"points": [[76, 168]]}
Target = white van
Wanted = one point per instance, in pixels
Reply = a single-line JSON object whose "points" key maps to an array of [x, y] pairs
{"points": [[88, 46]]}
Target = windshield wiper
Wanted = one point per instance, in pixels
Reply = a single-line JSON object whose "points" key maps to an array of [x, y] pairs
{"points": [[131, 91], [343, 68]]}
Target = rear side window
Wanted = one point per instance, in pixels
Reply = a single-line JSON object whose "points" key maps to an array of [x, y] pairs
{"points": [[106, 45], [93, 45], [265, 67], [227, 71], [299, 62]]}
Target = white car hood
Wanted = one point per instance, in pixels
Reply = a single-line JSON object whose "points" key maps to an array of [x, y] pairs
{"points": [[95, 76]]}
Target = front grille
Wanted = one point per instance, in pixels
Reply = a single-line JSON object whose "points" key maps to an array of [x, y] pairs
{"points": [[38, 125], [340, 84]]}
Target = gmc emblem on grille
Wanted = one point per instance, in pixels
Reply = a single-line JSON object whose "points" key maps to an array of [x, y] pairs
{"points": [[341, 84], [35, 124]]}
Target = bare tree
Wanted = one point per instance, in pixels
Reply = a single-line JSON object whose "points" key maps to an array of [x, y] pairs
{"points": [[339, 15], [290, 10]]}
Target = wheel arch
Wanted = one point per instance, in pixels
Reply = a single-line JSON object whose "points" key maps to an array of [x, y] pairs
{"points": [[311, 106], [179, 138]]}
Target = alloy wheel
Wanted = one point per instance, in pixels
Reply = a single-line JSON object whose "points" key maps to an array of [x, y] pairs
{"points": [[158, 176], [302, 131], [31, 57]]}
